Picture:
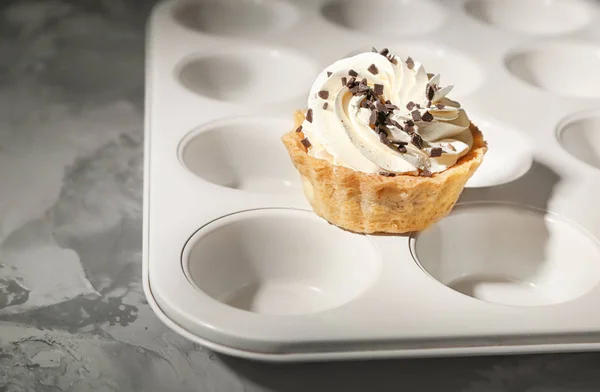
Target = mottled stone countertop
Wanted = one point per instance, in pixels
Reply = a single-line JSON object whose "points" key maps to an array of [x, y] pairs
{"points": [[72, 311]]}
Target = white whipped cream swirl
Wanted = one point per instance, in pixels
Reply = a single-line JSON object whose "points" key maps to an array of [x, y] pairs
{"points": [[341, 131]]}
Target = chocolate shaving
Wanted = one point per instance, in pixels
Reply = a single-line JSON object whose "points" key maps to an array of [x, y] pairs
{"points": [[309, 115], [411, 105], [387, 174], [416, 115], [428, 104], [373, 117], [305, 143], [383, 137], [363, 81], [352, 73], [378, 89], [430, 92], [427, 117], [351, 82], [417, 141], [440, 106], [329, 73], [409, 123], [373, 69], [344, 81], [435, 152], [380, 107], [397, 124], [410, 63], [325, 105], [391, 106], [324, 94], [402, 148], [381, 116], [384, 52], [299, 129]]}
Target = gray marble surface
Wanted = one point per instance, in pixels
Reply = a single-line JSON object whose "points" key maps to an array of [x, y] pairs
{"points": [[72, 311]]}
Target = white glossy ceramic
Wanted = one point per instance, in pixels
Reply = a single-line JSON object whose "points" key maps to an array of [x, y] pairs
{"points": [[234, 258]]}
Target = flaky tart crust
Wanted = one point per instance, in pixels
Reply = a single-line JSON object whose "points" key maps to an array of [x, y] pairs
{"points": [[372, 203]]}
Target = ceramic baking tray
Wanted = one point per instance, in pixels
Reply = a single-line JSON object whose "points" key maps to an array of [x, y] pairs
{"points": [[235, 260]]}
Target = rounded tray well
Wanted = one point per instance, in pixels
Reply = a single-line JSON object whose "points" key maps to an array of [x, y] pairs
{"points": [[236, 18], [242, 153], [509, 155], [566, 68], [278, 261], [579, 135], [509, 254], [539, 17], [382, 16], [249, 74]]}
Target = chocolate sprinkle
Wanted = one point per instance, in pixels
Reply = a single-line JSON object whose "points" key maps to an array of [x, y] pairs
{"points": [[417, 141], [436, 152], [329, 73], [344, 81], [299, 129], [305, 143], [325, 105], [427, 117], [352, 73], [411, 105], [384, 52], [402, 148], [387, 174], [324, 94], [373, 69], [440, 106], [409, 123], [309, 116], [378, 89], [410, 63], [416, 115], [425, 173]]}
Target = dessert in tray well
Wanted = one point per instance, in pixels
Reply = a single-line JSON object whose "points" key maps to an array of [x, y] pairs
{"points": [[381, 148]]}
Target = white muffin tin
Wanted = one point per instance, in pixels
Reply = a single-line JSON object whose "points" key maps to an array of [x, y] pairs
{"points": [[235, 260]]}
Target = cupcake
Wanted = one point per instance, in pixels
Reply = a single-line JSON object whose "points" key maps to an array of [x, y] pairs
{"points": [[381, 148]]}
